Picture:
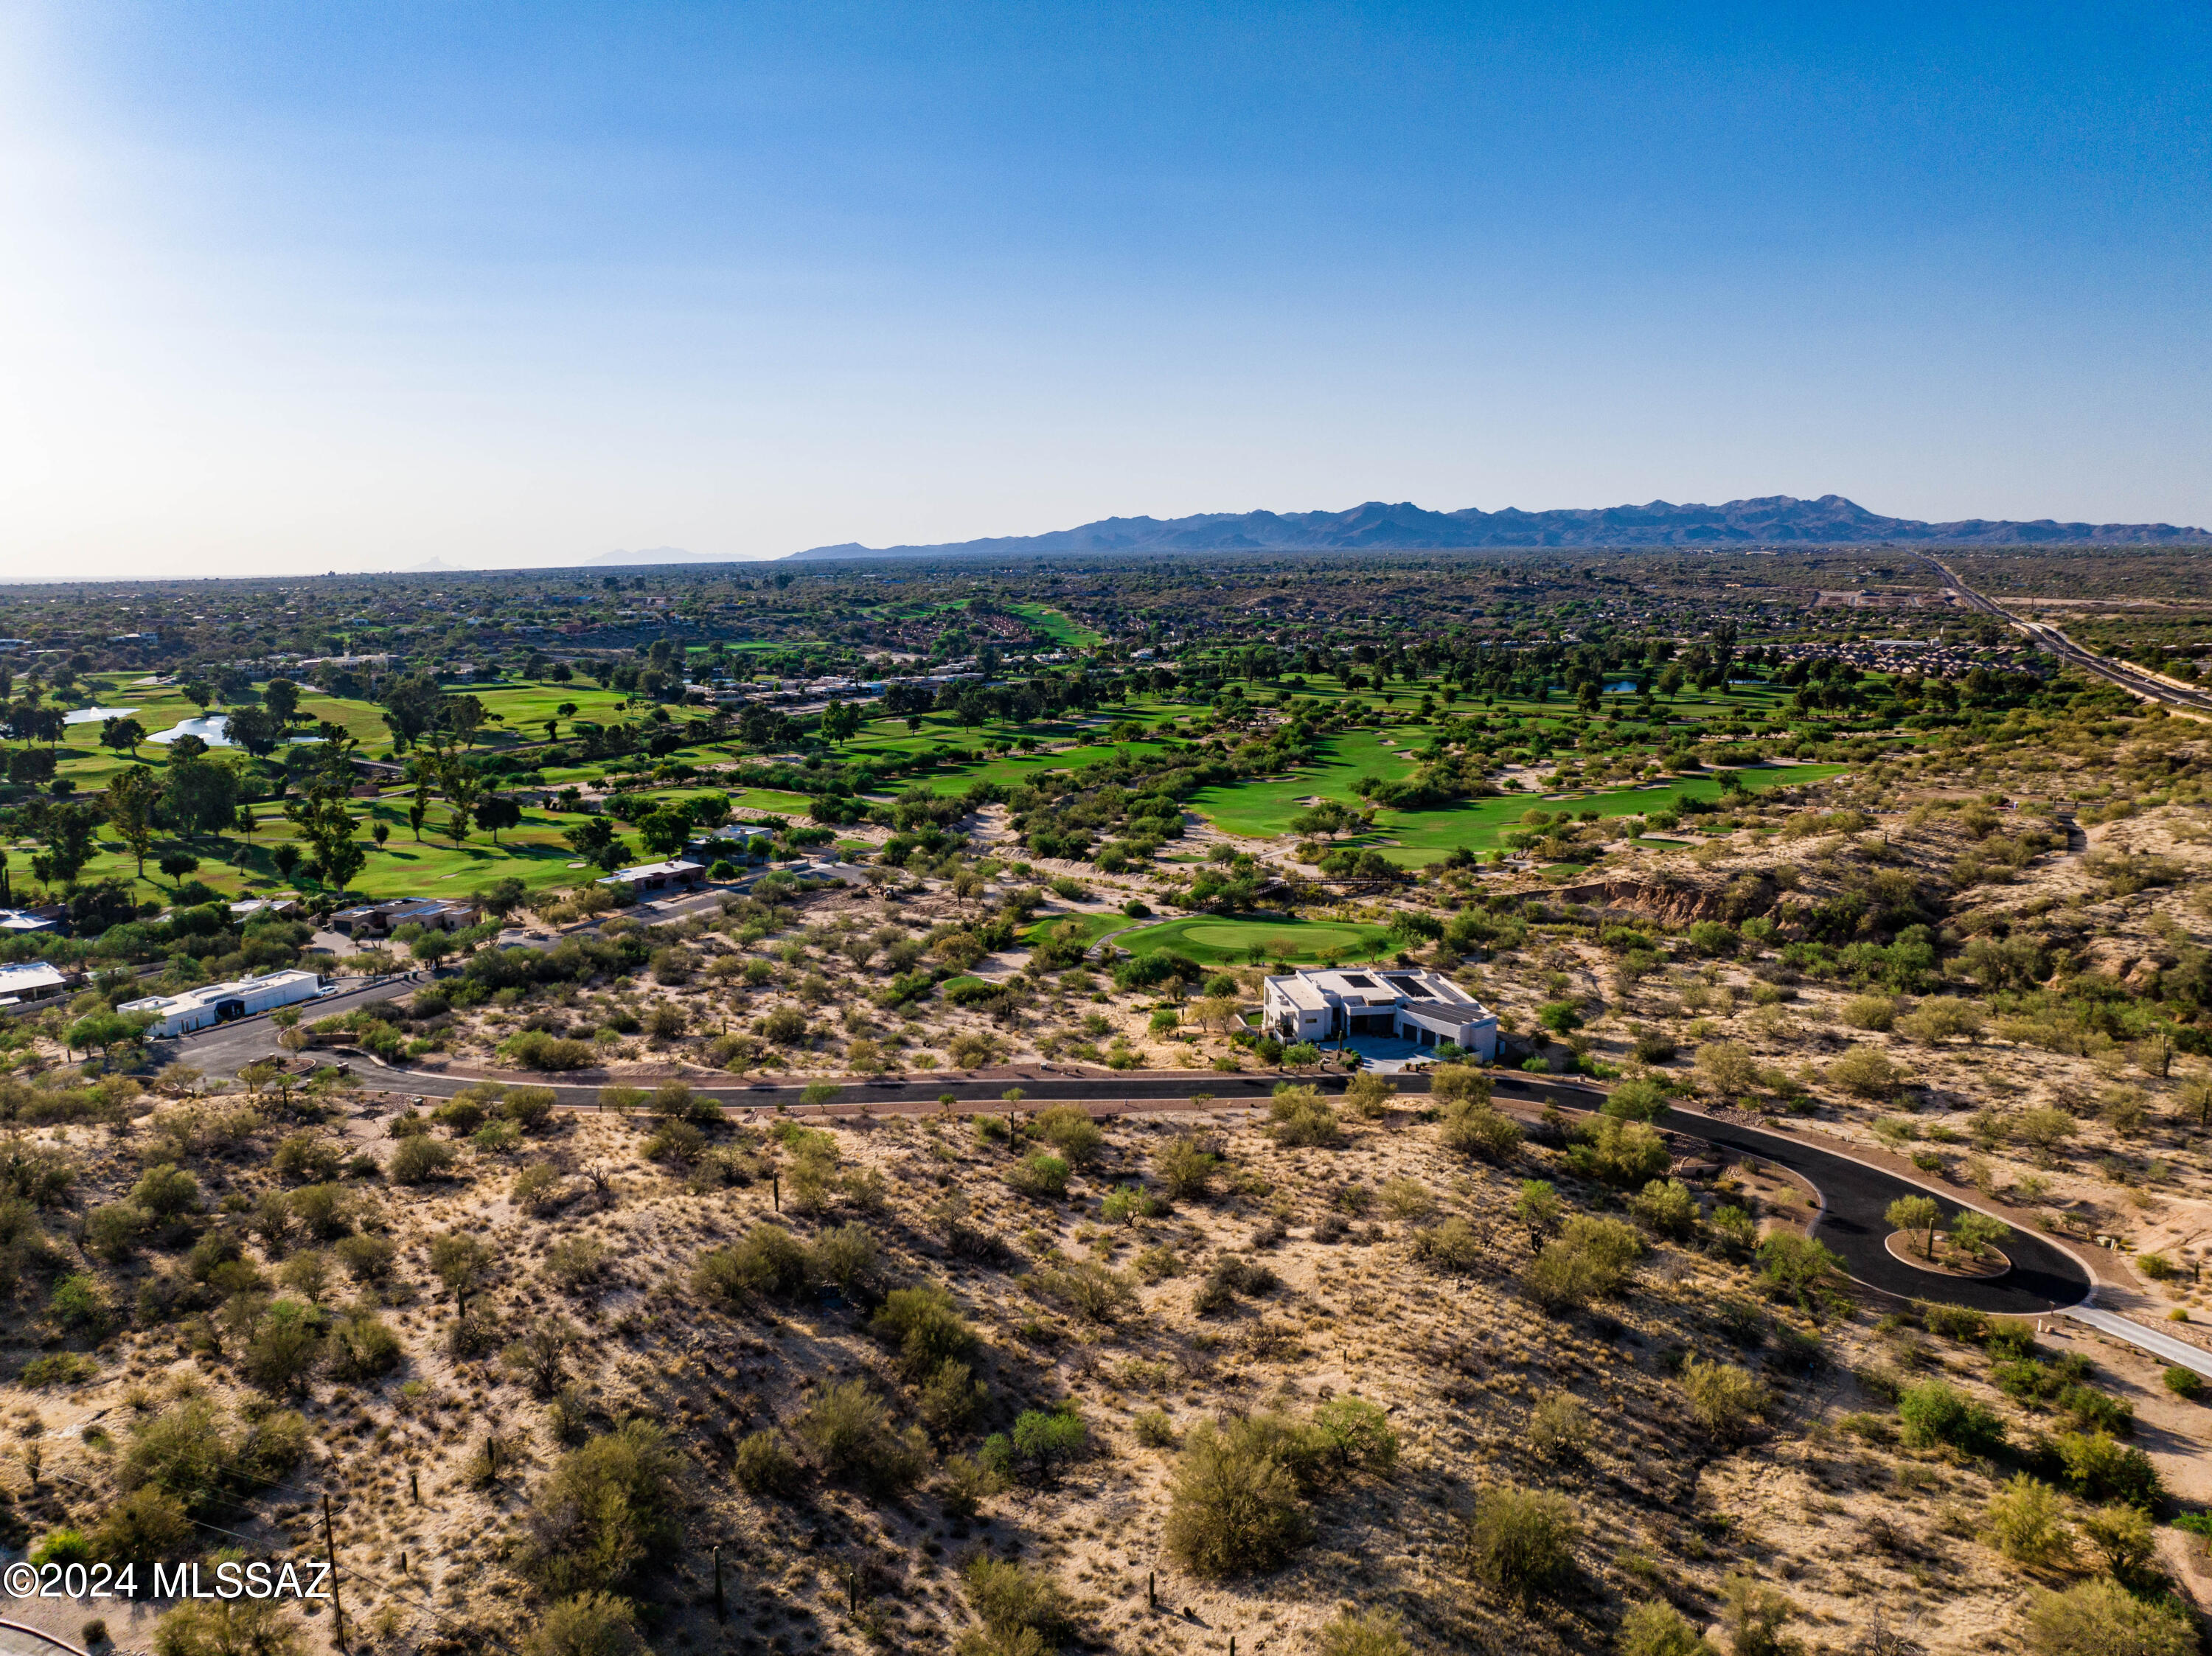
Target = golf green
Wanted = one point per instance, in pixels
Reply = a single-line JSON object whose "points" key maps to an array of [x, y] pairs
{"points": [[1210, 940]]}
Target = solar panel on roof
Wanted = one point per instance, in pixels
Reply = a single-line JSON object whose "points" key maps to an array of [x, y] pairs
{"points": [[1359, 980]]}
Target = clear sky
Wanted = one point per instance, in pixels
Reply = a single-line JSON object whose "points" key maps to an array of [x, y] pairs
{"points": [[290, 287]]}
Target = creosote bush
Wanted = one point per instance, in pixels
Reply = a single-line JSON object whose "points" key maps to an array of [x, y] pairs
{"points": [[1521, 1540]]}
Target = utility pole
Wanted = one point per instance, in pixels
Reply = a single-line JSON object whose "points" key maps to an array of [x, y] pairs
{"points": [[331, 1554]]}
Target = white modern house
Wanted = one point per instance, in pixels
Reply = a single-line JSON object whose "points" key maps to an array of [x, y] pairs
{"points": [[22, 982], [221, 1003], [680, 875], [1415, 1004]]}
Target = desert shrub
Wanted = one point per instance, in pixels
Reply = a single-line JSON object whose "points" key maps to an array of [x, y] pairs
{"points": [[1725, 1398], [363, 1346], [968, 1483], [2026, 1520], [1941, 1017], [2126, 1538], [1069, 1129], [1127, 1203], [166, 1191], [1302, 1117], [325, 1211], [1363, 1632], [844, 1256], [533, 1049], [1876, 1012], [1753, 1614], [112, 1230], [1636, 1101], [1798, 1266], [1046, 1438], [1472, 1126], [925, 1327], [1658, 1629], [147, 1523], [589, 1624], [528, 1107], [1935, 1413], [1369, 1095], [190, 1451], [2184, 1383], [1011, 1600], [1234, 1506], [2102, 1618], [1039, 1177], [1451, 1246], [848, 1431], [242, 1626], [1090, 1289], [1185, 1166], [607, 1512], [1407, 1199], [1667, 1206], [1153, 1428], [307, 1158], [766, 1259], [951, 1398], [766, 1466], [1521, 1540], [1559, 1428], [1627, 1154], [1712, 937], [57, 1368], [1867, 1071], [1351, 1433], [1561, 1278], [366, 1255], [2099, 1468], [419, 1160], [286, 1343]]}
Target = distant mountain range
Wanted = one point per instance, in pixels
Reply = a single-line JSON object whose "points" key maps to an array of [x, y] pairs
{"points": [[1771, 519]]}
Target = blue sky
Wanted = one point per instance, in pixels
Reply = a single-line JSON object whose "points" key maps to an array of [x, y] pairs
{"points": [[293, 287]]}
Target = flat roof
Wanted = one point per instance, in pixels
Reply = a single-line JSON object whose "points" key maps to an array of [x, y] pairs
{"points": [[1419, 985], [207, 993]]}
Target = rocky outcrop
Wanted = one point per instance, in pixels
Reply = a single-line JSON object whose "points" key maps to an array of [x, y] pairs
{"points": [[1676, 904]]}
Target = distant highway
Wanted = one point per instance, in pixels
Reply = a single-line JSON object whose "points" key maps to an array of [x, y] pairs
{"points": [[2129, 677]]}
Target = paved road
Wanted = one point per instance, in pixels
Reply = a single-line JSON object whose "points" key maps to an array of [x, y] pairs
{"points": [[2044, 1277], [2178, 1352], [2126, 675]]}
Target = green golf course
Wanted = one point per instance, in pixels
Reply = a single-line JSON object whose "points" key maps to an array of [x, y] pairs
{"points": [[1214, 940]]}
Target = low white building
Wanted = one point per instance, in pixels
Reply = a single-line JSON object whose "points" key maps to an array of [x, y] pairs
{"points": [[680, 875], [221, 1003], [1415, 1004], [24, 981]]}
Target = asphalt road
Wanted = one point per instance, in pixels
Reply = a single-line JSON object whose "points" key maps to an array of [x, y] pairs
{"points": [[2045, 1278], [1854, 1197], [2050, 638]]}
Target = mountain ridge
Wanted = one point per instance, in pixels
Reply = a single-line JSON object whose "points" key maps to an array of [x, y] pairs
{"points": [[1771, 519]]}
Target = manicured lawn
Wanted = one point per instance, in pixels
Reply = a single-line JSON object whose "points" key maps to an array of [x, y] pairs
{"points": [[1428, 836], [1012, 770], [1069, 635], [1089, 927], [533, 852], [1213, 940], [1265, 807]]}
